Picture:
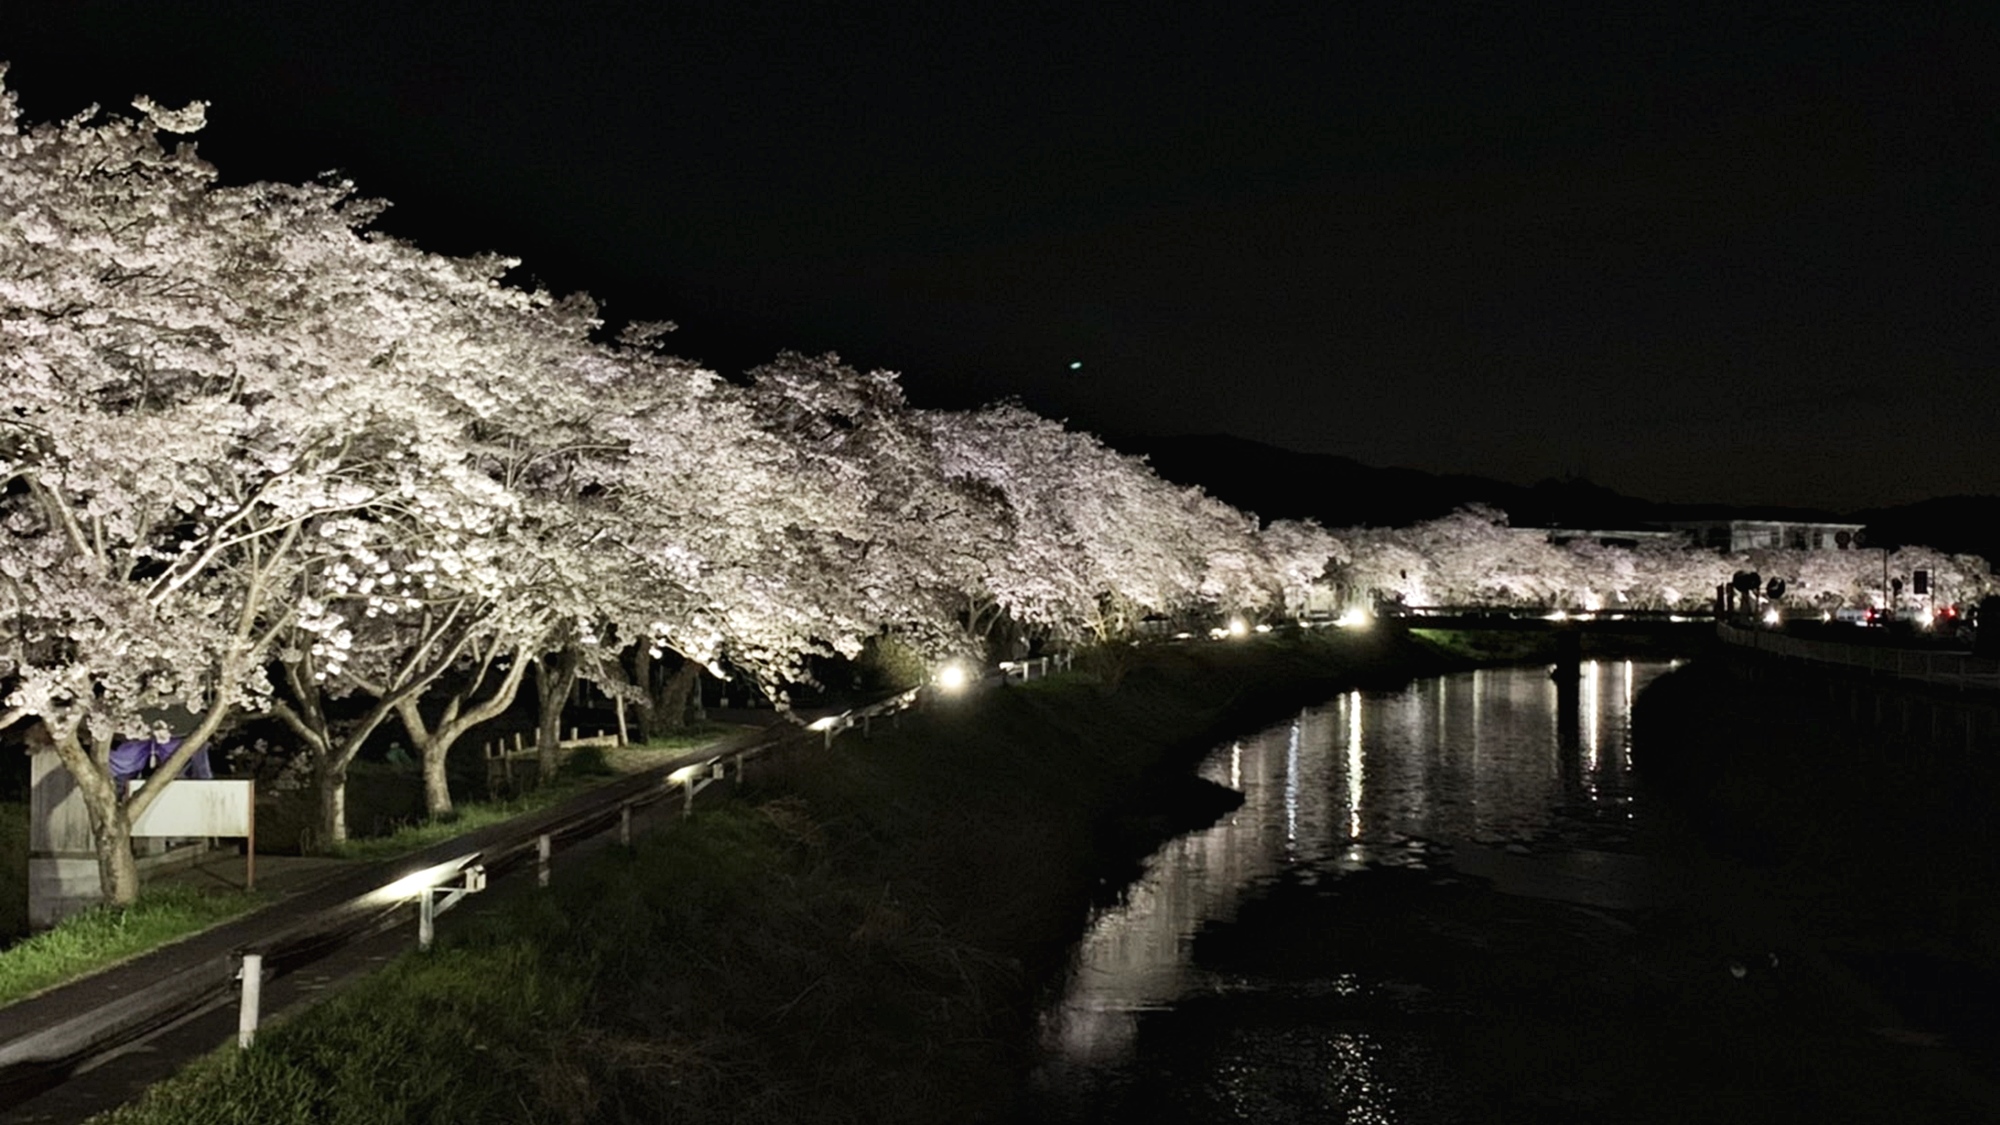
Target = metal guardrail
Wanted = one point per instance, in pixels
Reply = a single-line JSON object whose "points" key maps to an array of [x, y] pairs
{"points": [[47, 1038], [1952, 669]]}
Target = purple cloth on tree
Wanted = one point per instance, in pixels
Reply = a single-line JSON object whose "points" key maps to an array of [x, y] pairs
{"points": [[131, 758], [137, 757]]}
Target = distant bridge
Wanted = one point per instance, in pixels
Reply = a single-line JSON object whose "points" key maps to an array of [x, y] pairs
{"points": [[1567, 625], [1539, 619]]}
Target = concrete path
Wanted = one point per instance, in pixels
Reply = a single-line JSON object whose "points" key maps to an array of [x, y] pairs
{"points": [[87, 1025]]}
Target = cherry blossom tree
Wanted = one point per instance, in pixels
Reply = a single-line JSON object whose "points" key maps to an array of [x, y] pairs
{"points": [[170, 442], [1092, 540], [901, 540], [1302, 558]]}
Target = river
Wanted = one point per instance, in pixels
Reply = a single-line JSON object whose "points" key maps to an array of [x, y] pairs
{"points": [[1454, 902]]}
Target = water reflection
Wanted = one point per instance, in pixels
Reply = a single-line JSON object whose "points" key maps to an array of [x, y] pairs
{"points": [[1492, 756]]}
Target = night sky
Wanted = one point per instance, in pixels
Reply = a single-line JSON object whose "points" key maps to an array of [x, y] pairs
{"points": [[1731, 253]]}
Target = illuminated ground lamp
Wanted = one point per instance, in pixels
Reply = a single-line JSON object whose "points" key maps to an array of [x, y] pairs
{"points": [[1772, 616], [952, 676], [1353, 618], [1238, 627]]}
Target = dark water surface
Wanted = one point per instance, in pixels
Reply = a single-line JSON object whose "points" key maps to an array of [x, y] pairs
{"points": [[1453, 903]]}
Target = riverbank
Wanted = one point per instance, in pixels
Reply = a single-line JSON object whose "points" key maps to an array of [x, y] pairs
{"points": [[863, 937], [1462, 902], [1859, 821]]}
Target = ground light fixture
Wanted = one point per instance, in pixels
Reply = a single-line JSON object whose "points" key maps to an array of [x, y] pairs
{"points": [[1353, 618], [953, 676], [418, 882]]}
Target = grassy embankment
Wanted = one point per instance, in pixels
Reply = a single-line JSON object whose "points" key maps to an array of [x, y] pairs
{"points": [[862, 938], [95, 939], [1867, 836]]}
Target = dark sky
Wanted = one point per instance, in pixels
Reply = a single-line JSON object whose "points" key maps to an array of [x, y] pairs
{"points": [[1736, 252]]}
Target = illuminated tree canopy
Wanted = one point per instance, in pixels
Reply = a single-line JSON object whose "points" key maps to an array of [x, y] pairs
{"points": [[255, 457]]}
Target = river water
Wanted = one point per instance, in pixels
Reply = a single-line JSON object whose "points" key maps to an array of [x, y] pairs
{"points": [[1479, 769], [1455, 903]]}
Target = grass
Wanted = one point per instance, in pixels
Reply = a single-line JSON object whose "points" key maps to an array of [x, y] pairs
{"points": [[583, 770], [861, 939], [99, 938], [106, 935], [469, 816]]}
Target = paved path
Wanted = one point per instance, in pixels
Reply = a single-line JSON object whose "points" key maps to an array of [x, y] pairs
{"points": [[51, 1038]]}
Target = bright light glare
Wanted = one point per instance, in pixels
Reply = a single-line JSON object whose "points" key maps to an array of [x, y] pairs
{"points": [[823, 724], [409, 886], [1772, 616], [1353, 618], [953, 677], [1558, 615], [686, 774], [1263, 628], [1237, 627]]}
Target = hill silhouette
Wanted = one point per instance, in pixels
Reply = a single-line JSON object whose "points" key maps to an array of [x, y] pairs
{"points": [[1337, 491]]}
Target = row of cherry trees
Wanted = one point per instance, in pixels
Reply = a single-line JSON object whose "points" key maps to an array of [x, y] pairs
{"points": [[257, 458], [1472, 557]]}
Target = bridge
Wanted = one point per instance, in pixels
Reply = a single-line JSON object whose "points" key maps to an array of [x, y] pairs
{"points": [[1568, 625], [1538, 619]]}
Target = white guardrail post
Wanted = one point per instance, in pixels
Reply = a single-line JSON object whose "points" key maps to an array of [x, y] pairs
{"points": [[252, 974]]}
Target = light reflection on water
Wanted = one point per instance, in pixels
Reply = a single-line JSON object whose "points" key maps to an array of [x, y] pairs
{"points": [[1493, 756]]}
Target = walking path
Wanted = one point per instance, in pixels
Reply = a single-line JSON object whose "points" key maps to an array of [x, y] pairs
{"points": [[120, 1012]]}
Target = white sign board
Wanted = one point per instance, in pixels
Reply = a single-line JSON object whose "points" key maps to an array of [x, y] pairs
{"points": [[200, 808]]}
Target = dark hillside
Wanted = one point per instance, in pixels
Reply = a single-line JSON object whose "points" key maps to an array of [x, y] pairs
{"points": [[1339, 491]]}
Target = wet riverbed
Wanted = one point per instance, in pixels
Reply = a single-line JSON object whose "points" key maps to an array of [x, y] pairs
{"points": [[1455, 902]]}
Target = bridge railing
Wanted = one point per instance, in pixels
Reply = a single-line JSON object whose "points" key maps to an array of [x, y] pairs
{"points": [[1953, 669], [1547, 613]]}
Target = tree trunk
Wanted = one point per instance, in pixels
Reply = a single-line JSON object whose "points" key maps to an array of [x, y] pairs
{"points": [[117, 868], [435, 745], [642, 678], [437, 787], [330, 782], [110, 827], [555, 676], [671, 706]]}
